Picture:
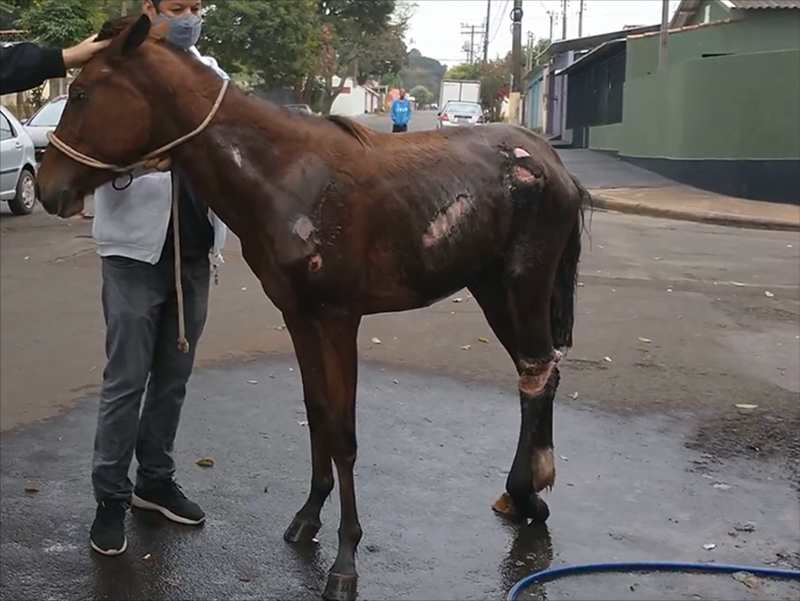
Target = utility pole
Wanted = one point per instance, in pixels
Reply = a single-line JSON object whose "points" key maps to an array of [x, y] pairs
{"points": [[469, 47], [564, 4], [580, 20], [662, 36], [516, 62], [486, 31], [552, 16]]}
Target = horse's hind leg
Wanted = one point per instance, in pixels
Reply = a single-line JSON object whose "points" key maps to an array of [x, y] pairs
{"points": [[494, 299], [306, 522], [541, 263]]}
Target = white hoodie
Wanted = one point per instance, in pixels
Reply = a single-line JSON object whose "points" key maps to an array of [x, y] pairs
{"points": [[133, 222]]}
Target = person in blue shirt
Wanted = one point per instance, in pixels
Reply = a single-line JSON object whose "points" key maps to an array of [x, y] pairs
{"points": [[401, 113]]}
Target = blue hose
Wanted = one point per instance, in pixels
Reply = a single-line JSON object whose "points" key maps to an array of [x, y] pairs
{"points": [[645, 566]]}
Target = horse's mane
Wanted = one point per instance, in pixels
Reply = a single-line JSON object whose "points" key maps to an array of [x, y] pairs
{"points": [[362, 134], [113, 27]]}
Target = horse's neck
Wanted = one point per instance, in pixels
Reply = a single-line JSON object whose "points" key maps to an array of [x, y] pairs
{"points": [[232, 163]]}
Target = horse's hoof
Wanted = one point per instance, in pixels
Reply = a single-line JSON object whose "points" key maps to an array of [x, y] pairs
{"points": [[300, 531], [341, 587], [504, 506], [538, 511]]}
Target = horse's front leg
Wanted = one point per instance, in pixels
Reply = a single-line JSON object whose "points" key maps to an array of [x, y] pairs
{"points": [[340, 360], [306, 522], [327, 351]]}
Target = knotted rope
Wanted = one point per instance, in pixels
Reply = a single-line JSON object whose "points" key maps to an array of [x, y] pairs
{"points": [[75, 155]]}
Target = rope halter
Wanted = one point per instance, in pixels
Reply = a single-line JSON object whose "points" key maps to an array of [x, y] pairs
{"points": [[84, 159]]}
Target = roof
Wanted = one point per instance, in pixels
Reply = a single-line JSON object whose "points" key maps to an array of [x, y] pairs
{"points": [[596, 54], [748, 4], [687, 8], [533, 73], [593, 41]]}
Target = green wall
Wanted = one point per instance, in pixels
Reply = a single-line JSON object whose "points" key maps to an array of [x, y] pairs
{"points": [[606, 137], [762, 31], [742, 106]]}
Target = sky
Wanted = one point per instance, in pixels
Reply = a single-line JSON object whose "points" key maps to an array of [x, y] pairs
{"points": [[435, 28]]}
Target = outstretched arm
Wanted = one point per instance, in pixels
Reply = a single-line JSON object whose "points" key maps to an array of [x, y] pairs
{"points": [[25, 66]]}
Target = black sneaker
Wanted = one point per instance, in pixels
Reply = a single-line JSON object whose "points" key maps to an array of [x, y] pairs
{"points": [[107, 535], [168, 499]]}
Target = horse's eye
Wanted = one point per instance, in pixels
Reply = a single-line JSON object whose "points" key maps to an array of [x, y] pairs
{"points": [[77, 95]]}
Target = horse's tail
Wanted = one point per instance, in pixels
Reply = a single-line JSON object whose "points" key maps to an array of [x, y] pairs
{"points": [[564, 299]]}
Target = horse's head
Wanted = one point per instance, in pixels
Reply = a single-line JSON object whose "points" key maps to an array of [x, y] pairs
{"points": [[111, 114]]}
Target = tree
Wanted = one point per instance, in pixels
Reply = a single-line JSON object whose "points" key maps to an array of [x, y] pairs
{"points": [[358, 39], [422, 95], [61, 23], [421, 71], [11, 11], [273, 41]]}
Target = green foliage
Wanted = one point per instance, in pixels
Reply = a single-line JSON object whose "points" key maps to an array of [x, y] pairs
{"points": [[361, 39], [465, 71], [275, 41], [422, 95], [61, 23], [10, 12], [422, 71]]}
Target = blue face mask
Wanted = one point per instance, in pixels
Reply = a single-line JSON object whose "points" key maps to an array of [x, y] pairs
{"points": [[184, 31]]}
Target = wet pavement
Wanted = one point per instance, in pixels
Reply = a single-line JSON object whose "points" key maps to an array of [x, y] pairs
{"points": [[433, 455]]}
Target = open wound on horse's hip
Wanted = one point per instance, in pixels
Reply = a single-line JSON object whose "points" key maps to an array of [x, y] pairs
{"points": [[526, 170]]}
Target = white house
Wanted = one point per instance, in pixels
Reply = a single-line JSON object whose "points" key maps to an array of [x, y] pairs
{"points": [[355, 99]]}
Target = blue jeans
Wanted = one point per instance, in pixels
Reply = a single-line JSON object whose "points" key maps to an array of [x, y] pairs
{"points": [[143, 359]]}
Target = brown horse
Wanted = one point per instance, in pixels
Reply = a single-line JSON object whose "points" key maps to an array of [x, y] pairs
{"points": [[338, 221]]}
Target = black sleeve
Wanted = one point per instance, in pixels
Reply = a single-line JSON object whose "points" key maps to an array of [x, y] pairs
{"points": [[25, 66]]}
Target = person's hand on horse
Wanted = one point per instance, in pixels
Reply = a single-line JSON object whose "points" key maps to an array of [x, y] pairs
{"points": [[78, 55], [158, 163]]}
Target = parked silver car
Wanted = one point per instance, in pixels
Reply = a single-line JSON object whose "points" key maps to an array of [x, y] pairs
{"points": [[460, 112], [44, 120], [17, 165]]}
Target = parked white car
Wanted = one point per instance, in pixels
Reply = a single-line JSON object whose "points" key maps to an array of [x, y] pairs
{"points": [[460, 112], [17, 165], [44, 121]]}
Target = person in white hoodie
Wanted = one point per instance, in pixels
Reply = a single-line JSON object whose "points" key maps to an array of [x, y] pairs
{"points": [[133, 230]]}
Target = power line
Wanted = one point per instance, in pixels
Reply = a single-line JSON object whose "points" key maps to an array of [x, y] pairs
{"points": [[501, 13], [497, 18]]}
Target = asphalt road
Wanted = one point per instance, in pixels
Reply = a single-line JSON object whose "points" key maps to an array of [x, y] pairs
{"points": [[675, 329]]}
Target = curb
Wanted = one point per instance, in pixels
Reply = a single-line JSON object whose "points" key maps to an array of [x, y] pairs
{"points": [[723, 219]]}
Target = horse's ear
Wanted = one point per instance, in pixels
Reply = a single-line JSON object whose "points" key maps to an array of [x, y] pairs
{"points": [[133, 37]]}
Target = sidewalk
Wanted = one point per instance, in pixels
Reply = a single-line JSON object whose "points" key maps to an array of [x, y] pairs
{"points": [[690, 204]]}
